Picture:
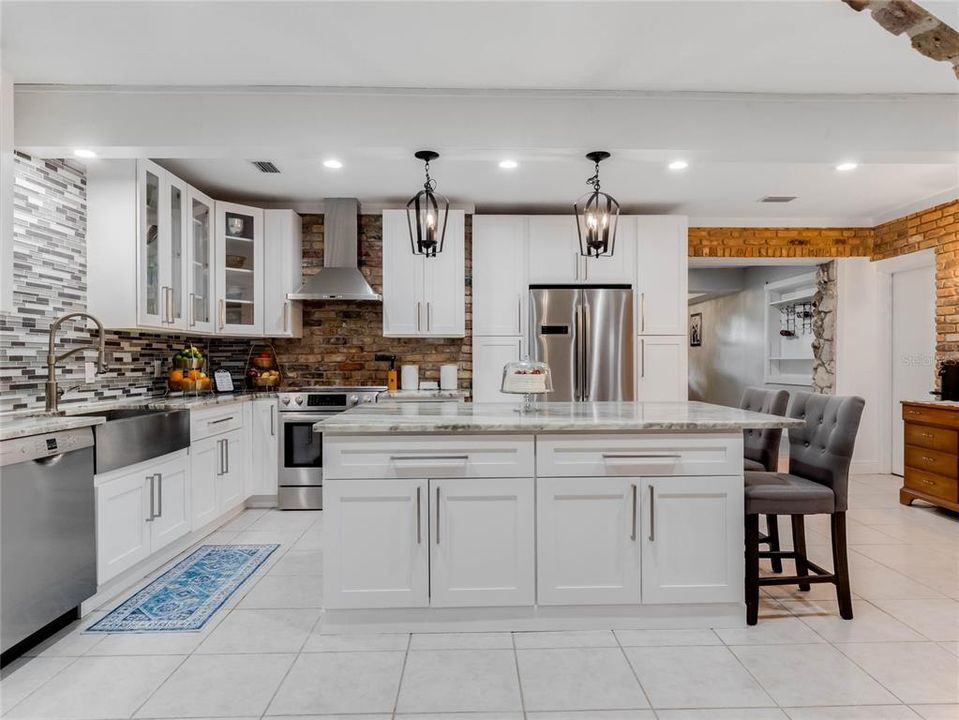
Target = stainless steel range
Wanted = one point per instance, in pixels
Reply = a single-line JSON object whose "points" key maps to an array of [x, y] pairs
{"points": [[301, 449]]}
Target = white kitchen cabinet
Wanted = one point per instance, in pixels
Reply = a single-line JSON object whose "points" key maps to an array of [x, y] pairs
{"points": [[481, 542], [238, 269], [692, 539], [490, 354], [423, 297], [661, 373], [282, 268], [263, 441], [377, 543], [499, 275], [662, 274], [140, 510], [588, 546], [554, 253], [620, 267], [201, 302], [231, 480], [205, 458]]}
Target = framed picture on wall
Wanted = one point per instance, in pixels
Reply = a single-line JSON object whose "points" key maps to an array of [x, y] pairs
{"points": [[695, 330]]}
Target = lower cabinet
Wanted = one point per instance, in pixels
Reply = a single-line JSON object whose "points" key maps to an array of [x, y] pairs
{"points": [[217, 475], [263, 438], [662, 374], [139, 511], [588, 541], [418, 543]]}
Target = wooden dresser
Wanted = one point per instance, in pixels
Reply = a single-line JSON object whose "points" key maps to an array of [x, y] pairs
{"points": [[931, 454]]}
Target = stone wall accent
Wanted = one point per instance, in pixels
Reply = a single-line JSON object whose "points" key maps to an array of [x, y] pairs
{"points": [[772, 242], [825, 305]]}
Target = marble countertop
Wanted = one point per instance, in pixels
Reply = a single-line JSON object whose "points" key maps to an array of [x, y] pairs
{"points": [[406, 395], [15, 425], [456, 417]]}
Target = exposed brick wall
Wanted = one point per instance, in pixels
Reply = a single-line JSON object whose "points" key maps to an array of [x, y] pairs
{"points": [[771, 242], [341, 338]]}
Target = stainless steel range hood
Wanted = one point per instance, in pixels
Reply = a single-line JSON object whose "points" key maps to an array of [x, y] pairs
{"points": [[340, 278]]}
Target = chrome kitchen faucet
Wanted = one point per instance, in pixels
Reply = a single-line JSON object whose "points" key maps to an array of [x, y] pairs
{"points": [[53, 394]]}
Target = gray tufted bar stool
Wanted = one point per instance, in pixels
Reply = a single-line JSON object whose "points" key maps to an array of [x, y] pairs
{"points": [[817, 484], [761, 452]]}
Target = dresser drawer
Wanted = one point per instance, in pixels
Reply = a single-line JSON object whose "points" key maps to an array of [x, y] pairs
{"points": [[931, 461], [427, 456], [936, 485], [932, 415], [644, 455], [214, 421], [933, 438]]}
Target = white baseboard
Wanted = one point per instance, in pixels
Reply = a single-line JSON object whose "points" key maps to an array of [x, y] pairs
{"points": [[863, 467], [261, 501]]}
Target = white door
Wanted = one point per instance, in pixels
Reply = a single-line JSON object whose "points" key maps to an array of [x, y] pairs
{"points": [[445, 282], [662, 272], [620, 267], [239, 269], [913, 346], [692, 539], [154, 238], [123, 515], [376, 543], [264, 468], [499, 275], [403, 301], [201, 301], [587, 541], [481, 542], [172, 502], [205, 466], [282, 263], [662, 368], [490, 354], [177, 206], [230, 483], [554, 250]]}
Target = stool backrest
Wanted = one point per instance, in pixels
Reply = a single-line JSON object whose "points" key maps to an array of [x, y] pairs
{"points": [[763, 445], [821, 450]]}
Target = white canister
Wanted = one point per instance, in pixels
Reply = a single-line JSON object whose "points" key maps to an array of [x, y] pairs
{"points": [[409, 377], [448, 377]]}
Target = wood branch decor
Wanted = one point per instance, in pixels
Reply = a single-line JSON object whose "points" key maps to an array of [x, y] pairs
{"points": [[929, 35]]}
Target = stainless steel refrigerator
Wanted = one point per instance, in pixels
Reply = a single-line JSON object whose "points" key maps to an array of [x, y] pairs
{"points": [[585, 334]]}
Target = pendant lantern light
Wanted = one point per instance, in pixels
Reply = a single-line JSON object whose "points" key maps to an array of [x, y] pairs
{"points": [[597, 214], [426, 213]]}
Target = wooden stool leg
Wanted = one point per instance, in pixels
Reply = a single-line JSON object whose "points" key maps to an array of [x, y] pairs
{"points": [[772, 532], [752, 569], [841, 564], [799, 547]]}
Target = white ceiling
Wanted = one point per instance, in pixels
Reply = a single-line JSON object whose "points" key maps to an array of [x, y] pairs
{"points": [[781, 46]]}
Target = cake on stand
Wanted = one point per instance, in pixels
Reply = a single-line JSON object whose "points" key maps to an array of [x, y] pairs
{"points": [[526, 378]]}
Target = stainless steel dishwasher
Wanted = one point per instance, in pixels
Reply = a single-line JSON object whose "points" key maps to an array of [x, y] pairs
{"points": [[48, 559]]}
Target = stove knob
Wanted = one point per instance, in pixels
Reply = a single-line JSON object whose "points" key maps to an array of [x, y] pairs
{"points": [[298, 399], [354, 399], [286, 401], [367, 398]]}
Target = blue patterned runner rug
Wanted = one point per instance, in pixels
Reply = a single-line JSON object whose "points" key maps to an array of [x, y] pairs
{"points": [[185, 597]]}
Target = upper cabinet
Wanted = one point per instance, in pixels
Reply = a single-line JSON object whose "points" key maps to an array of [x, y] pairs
{"points": [[554, 256], [661, 274], [163, 256], [423, 297], [499, 275]]}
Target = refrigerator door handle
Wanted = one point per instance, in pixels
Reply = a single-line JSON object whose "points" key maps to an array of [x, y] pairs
{"points": [[587, 349], [578, 361]]}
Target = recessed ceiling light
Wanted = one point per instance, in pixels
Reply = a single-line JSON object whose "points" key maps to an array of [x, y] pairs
{"points": [[508, 164], [332, 164], [84, 153], [846, 166], [678, 165]]}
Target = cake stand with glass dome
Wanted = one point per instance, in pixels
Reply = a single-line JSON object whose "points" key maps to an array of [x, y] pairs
{"points": [[527, 378]]}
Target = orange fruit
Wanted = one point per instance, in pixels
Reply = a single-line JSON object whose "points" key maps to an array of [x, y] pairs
{"points": [[202, 375], [194, 374], [176, 376]]}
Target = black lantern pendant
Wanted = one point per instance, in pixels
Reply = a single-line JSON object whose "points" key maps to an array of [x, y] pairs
{"points": [[426, 213], [596, 215]]}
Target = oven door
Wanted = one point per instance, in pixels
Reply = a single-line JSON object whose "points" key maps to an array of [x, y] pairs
{"points": [[301, 449]]}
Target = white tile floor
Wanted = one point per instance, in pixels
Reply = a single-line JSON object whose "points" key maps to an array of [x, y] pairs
{"points": [[263, 656]]}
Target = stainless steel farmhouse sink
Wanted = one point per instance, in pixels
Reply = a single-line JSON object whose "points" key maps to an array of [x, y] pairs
{"points": [[132, 435]]}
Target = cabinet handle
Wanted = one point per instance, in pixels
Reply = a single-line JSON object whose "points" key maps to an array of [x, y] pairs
{"points": [[642, 357], [222, 470], [641, 456], [519, 314], [642, 312], [273, 420], [159, 494], [226, 453], [418, 315], [222, 313], [429, 316], [652, 513], [913, 412], [192, 309], [429, 458], [437, 515], [585, 268], [217, 422], [169, 301], [632, 534], [576, 264], [419, 532], [925, 482], [152, 479], [928, 459], [286, 312], [926, 435]]}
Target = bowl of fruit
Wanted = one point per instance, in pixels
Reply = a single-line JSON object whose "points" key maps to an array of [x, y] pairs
{"points": [[267, 378], [188, 359], [263, 360]]}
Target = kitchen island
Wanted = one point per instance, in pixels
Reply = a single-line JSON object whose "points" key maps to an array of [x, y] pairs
{"points": [[457, 517]]}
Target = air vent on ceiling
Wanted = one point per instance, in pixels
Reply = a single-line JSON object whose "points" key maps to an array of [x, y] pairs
{"points": [[265, 166], [777, 198]]}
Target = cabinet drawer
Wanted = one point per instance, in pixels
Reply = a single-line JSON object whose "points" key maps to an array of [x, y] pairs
{"points": [[934, 438], [931, 461], [942, 487], [427, 456], [935, 416], [207, 423], [636, 456]]}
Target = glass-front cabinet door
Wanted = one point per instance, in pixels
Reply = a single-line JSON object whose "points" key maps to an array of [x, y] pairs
{"points": [[176, 192], [239, 269], [200, 301], [154, 241]]}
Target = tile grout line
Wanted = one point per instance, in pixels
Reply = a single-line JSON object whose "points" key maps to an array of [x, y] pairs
{"points": [[399, 685], [519, 677], [642, 688]]}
